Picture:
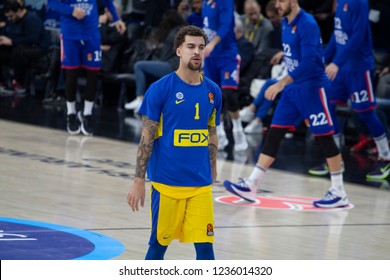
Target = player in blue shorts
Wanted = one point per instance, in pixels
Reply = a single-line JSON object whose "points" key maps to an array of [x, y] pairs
{"points": [[304, 97], [222, 64], [351, 64], [178, 149], [80, 47]]}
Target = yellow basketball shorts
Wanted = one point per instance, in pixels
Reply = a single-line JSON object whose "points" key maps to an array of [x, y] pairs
{"points": [[184, 213]]}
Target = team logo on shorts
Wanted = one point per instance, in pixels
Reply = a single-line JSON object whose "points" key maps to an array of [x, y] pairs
{"points": [[210, 230], [227, 75], [345, 8], [89, 57]]}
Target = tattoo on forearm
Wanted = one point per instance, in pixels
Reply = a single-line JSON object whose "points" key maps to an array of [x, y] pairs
{"points": [[213, 150], [145, 147]]}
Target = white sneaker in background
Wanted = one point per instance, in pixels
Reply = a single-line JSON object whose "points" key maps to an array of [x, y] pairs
{"points": [[222, 142], [134, 105], [255, 126], [246, 115], [240, 143]]}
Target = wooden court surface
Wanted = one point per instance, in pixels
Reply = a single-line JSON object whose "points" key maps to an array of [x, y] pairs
{"points": [[82, 182]]}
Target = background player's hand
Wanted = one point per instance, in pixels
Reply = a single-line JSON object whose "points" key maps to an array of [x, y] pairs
{"points": [[273, 91], [208, 49], [5, 41], [331, 71], [120, 26], [136, 195], [78, 13]]}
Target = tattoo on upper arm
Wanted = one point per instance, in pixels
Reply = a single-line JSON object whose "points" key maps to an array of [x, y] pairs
{"points": [[145, 147]]}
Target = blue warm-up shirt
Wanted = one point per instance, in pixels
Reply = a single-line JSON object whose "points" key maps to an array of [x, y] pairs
{"points": [[218, 19], [303, 52], [350, 47], [87, 28]]}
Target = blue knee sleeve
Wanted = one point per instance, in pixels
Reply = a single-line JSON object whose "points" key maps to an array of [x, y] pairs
{"points": [[156, 252], [372, 122], [204, 251]]}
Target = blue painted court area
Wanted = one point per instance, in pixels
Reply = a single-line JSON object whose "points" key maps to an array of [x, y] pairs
{"points": [[31, 240]]}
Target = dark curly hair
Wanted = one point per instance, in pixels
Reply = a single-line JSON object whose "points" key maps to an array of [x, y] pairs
{"points": [[189, 30]]}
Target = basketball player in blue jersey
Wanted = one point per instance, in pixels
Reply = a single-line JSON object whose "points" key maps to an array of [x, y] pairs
{"points": [[179, 146], [303, 97], [222, 64], [80, 47], [351, 64]]}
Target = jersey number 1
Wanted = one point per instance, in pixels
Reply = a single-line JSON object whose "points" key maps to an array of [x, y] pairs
{"points": [[196, 111]]}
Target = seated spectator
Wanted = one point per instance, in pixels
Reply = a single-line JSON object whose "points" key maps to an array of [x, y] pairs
{"points": [[245, 48], [183, 9], [257, 28], [195, 17], [24, 40], [259, 108], [2, 17], [112, 42], [165, 60], [276, 20], [383, 86]]}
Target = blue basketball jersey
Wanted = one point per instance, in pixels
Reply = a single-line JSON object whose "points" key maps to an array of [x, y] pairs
{"points": [[303, 53], [218, 19], [86, 28], [350, 47], [180, 154]]}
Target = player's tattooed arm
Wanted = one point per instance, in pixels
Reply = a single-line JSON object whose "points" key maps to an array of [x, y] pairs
{"points": [[145, 147], [213, 150]]}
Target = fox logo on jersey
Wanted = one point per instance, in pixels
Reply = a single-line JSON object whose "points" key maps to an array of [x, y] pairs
{"points": [[191, 137]]}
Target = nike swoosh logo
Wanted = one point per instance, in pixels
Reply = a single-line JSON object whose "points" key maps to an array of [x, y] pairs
{"points": [[384, 169], [166, 237], [179, 101]]}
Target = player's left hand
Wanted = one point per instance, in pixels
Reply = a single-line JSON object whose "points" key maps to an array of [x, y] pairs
{"points": [[273, 91], [331, 71]]}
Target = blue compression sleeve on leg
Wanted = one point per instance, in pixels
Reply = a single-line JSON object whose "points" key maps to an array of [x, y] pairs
{"points": [[156, 252], [204, 251], [372, 122]]}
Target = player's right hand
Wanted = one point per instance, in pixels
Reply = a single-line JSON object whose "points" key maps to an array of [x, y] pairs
{"points": [[78, 13]]}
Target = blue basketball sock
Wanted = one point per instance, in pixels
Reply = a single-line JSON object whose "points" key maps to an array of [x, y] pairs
{"points": [[204, 251], [156, 252]]}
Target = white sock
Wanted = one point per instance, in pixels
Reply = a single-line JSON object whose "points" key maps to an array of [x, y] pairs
{"points": [[257, 174], [237, 125], [71, 107], [383, 147], [337, 185], [88, 105]]}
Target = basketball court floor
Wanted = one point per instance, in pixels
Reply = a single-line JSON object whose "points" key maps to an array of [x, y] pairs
{"points": [[64, 197]]}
